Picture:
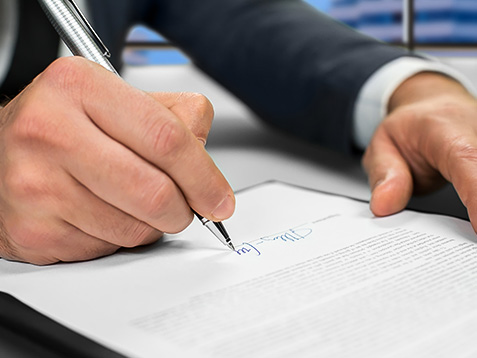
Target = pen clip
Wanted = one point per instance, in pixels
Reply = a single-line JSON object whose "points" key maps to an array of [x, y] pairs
{"points": [[72, 5]]}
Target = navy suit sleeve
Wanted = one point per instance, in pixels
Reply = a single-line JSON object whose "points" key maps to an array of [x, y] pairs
{"points": [[298, 69]]}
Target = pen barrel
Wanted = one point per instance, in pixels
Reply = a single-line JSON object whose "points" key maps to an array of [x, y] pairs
{"points": [[76, 36]]}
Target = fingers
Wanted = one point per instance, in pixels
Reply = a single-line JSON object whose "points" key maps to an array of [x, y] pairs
{"points": [[460, 164], [149, 129], [193, 109], [389, 176], [42, 244], [83, 210], [432, 122], [126, 181], [61, 220], [73, 246]]}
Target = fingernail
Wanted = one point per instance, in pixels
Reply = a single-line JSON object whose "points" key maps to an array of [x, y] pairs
{"points": [[202, 140], [225, 209]]}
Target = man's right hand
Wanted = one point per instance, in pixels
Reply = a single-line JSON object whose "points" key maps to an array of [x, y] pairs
{"points": [[89, 164]]}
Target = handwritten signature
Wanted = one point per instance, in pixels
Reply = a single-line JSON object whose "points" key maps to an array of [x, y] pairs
{"points": [[289, 236]]}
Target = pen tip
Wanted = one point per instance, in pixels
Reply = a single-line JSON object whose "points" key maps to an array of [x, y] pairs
{"points": [[231, 246]]}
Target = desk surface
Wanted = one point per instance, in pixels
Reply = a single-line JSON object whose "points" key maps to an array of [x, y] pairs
{"points": [[248, 152]]}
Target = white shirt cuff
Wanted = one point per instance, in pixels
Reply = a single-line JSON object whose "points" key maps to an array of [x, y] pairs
{"points": [[372, 102]]}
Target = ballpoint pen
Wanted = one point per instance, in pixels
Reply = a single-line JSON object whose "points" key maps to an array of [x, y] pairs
{"points": [[80, 37]]}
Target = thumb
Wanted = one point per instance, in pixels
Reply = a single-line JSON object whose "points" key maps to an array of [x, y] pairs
{"points": [[389, 176]]}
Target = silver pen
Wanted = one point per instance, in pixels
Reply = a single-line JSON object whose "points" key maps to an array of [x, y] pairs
{"points": [[80, 37]]}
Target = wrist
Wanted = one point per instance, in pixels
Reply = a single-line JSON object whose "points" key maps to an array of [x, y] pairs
{"points": [[425, 85]]}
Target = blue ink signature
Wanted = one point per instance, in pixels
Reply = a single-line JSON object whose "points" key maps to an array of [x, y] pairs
{"points": [[289, 236], [248, 248]]}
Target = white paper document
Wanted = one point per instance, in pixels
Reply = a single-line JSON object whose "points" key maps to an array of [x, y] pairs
{"points": [[314, 275]]}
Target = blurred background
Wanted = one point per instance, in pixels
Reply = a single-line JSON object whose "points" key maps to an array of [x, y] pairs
{"points": [[446, 29], [442, 28]]}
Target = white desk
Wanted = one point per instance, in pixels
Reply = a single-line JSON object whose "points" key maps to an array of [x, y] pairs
{"points": [[248, 152]]}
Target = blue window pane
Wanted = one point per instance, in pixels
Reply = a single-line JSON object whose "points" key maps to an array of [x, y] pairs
{"points": [[436, 21], [143, 34], [154, 56], [446, 21], [323, 5], [378, 18], [151, 56]]}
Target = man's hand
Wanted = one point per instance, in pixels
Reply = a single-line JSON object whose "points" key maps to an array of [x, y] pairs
{"points": [[428, 138], [89, 164]]}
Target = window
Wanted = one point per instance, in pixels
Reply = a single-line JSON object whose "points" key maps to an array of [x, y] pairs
{"points": [[146, 47], [443, 22], [382, 19]]}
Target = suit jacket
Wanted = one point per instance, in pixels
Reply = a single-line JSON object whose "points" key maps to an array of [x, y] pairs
{"points": [[298, 69]]}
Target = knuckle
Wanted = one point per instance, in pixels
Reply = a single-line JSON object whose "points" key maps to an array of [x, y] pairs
{"points": [[201, 104], [22, 184], [138, 233], [179, 226], [65, 73], [157, 198], [164, 207], [30, 127], [458, 154], [32, 236], [33, 123], [168, 139], [460, 148], [34, 130]]}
